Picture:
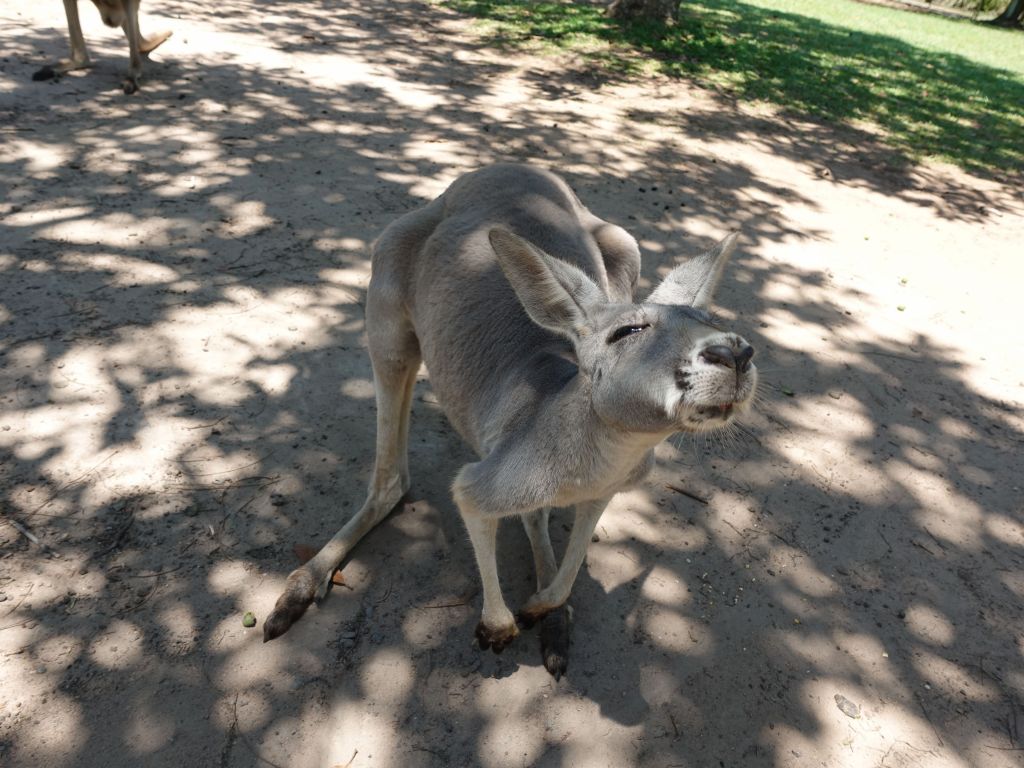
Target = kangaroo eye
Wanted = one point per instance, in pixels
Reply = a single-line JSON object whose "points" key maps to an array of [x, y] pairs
{"points": [[626, 330]]}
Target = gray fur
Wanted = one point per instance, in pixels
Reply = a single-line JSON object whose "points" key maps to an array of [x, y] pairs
{"points": [[510, 291]]}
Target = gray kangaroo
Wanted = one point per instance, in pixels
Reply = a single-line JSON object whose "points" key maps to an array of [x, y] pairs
{"points": [[115, 13], [519, 301]]}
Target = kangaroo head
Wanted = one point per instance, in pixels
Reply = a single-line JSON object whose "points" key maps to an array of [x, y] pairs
{"points": [[660, 366]]}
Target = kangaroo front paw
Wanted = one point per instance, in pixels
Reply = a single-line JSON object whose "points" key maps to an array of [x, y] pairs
{"points": [[299, 592], [555, 640], [495, 638]]}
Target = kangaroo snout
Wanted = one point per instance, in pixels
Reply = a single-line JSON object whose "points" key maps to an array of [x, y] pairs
{"points": [[719, 354]]}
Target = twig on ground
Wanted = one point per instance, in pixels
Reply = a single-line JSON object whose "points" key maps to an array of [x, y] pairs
{"points": [[466, 600], [685, 492], [68, 484], [154, 575], [143, 601], [941, 545], [259, 492], [236, 469], [928, 717], [783, 539], [251, 748], [439, 755], [23, 597], [628, 557], [22, 530], [16, 624], [884, 539], [672, 719], [895, 355], [247, 482], [738, 531], [117, 537], [387, 593], [211, 424], [919, 545]]}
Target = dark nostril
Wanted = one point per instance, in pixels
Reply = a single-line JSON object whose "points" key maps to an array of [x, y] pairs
{"points": [[719, 354], [743, 359]]}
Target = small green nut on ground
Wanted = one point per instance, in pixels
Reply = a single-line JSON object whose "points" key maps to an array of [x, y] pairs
{"points": [[249, 620]]}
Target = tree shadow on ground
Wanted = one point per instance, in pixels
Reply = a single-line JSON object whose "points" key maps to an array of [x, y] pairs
{"points": [[929, 103], [188, 397]]}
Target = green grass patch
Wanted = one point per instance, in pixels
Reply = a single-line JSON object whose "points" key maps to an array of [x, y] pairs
{"points": [[938, 87]]}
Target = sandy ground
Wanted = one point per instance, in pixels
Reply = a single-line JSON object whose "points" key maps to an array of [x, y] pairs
{"points": [[185, 396]]}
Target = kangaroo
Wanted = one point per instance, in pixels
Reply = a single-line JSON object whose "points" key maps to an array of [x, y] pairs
{"points": [[519, 301], [115, 13]]}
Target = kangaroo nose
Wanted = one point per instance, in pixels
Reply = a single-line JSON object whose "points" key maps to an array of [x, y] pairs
{"points": [[719, 354], [743, 358]]}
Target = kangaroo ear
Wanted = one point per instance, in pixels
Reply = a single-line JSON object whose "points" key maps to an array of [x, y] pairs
{"points": [[555, 294], [693, 282]]}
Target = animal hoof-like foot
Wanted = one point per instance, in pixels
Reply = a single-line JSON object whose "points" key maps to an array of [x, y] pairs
{"points": [[46, 73], [293, 602], [130, 85], [555, 640], [527, 616], [149, 44], [495, 638]]}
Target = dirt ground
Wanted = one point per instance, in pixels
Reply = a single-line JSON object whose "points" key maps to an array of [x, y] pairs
{"points": [[185, 396]]}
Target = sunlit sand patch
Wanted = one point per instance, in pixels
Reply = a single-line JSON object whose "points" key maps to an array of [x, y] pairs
{"points": [[37, 216], [509, 740], [147, 730], [120, 646], [663, 586], [40, 159], [954, 679], [674, 632], [59, 731], [929, 625], [862, 741]]}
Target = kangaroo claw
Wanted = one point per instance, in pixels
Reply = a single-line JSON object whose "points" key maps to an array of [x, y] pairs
{"points": [[495, 639], [299, 592], [555, 641]]}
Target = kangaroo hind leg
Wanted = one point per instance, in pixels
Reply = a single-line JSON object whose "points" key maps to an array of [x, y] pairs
{"points": [[394, 352], [556, 627], [556, 593]]}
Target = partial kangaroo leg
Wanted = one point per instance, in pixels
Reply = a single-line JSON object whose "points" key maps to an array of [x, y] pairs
{"points": [[497, 627], [149, 44], [79, 55], [394, 352], [555, 594], [138, 46], [130, 25], [555, 628]]}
